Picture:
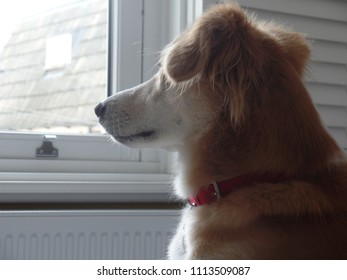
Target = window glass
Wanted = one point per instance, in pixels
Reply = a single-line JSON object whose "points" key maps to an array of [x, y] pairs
{"points": [[52, 65]]}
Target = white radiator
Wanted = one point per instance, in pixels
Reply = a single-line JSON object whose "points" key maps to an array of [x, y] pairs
{"points": [[116, 234]]}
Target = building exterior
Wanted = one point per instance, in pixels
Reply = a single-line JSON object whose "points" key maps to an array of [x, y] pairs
{"points": [[53, 70]]}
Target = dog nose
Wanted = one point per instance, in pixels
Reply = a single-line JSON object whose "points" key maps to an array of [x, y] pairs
{"points": [[100, 109]]}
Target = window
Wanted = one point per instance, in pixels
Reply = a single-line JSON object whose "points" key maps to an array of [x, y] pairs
{"points": [[46, 94]]}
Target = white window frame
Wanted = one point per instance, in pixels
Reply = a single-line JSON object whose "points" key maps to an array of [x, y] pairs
{"points": [[90, 168], [162, 22]]}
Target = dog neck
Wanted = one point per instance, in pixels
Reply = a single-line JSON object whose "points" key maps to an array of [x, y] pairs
{"points": [[217, 190]]}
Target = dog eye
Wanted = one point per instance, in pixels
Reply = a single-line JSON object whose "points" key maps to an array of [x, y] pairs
{"points": [[159, 64]]}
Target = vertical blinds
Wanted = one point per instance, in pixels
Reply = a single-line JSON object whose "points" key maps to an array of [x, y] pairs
{"points": [[325, 24]]}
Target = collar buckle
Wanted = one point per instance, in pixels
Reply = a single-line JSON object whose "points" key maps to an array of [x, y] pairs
{"points": [[216, 192], [193, 204]]}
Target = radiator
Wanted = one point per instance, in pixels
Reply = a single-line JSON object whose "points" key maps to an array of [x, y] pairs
{"points": [[68, 235]]}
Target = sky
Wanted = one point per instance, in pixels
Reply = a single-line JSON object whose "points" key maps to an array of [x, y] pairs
{"points": [[13, 11]]}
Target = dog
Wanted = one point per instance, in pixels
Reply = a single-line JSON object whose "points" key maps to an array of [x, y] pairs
{"points": [[261, 176]]}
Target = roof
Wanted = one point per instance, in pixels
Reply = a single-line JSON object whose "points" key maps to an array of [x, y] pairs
{"points": [[32, 97]]}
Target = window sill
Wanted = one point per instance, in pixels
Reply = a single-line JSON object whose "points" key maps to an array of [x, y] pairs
{"points": [[93, 188]]}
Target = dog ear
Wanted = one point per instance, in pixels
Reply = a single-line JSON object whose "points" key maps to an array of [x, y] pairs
{"points": [[186, 56], [194, 50], [295, 47]]}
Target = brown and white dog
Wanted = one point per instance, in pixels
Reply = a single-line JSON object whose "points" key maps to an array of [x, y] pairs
{"points": [[265, 178]]}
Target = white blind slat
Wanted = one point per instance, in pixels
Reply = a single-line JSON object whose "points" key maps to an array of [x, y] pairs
{"points": [[327, 51], [329, 73], [333, 116], [325, 94]]}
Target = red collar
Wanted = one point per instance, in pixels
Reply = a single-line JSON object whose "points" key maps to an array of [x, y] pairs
{"points": [[216, 190]]}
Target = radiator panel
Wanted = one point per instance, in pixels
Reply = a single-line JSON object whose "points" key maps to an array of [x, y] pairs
{"points": [[131, 234]]}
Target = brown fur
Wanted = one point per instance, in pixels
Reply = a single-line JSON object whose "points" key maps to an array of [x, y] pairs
{"points": [[251, 74]]}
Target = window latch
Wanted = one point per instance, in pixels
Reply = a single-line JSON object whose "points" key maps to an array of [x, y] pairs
{"points": [[47, 149]]}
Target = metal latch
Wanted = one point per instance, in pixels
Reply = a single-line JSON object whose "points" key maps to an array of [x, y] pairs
{"points": [[47, 149]]}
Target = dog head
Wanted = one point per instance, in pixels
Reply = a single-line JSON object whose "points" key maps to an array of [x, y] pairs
{"points": [[215, 74]]}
